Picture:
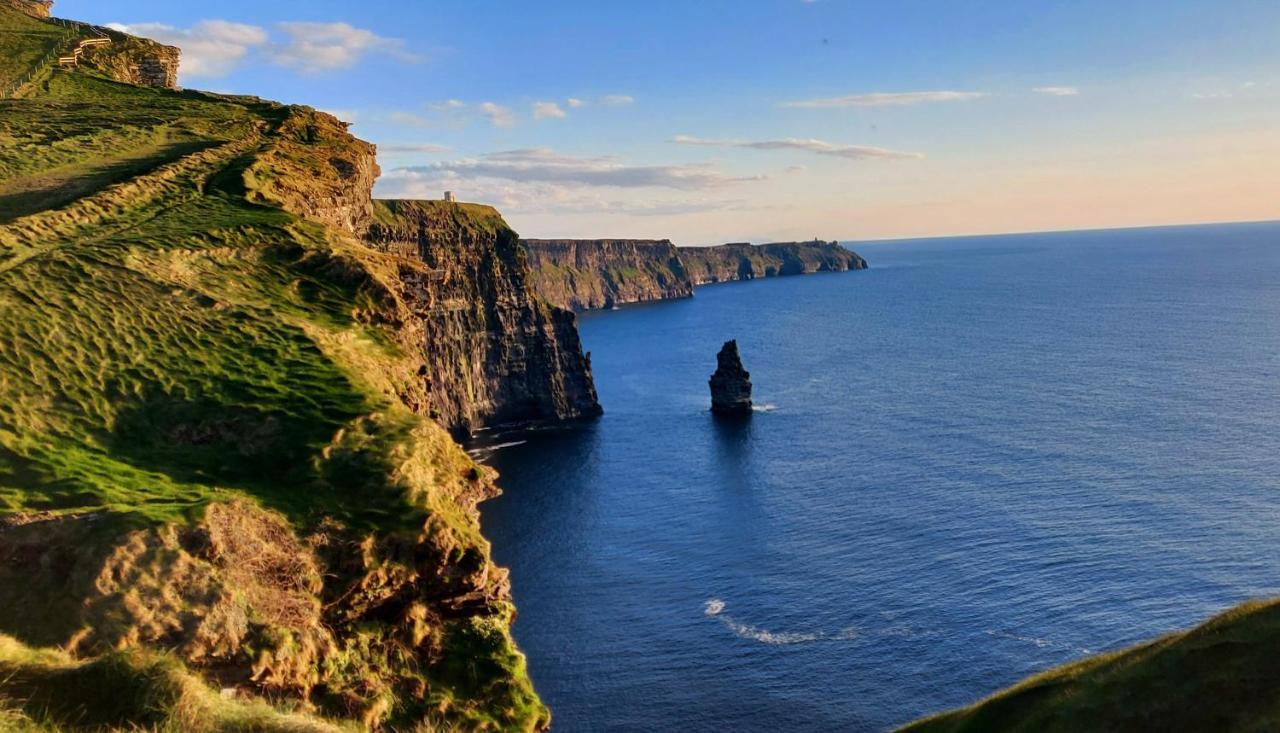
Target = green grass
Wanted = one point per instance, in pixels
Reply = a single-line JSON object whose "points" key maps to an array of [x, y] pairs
{"points": [[166, 354], [170, 337], [24, 41], [1221, 676], [48, 691]]}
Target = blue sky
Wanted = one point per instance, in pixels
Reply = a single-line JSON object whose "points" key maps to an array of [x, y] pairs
{"points": [[707, 120]]}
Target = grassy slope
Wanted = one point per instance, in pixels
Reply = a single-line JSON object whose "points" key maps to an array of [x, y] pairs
{"points": [[23, 42], [47, 691], [166, 343], [169, 351], [1221, 676]]}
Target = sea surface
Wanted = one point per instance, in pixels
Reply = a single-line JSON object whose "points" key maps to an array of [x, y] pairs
{"points": [[980, 458]]}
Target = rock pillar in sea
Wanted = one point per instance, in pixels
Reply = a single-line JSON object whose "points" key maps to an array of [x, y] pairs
{"points": [[731, 384]]}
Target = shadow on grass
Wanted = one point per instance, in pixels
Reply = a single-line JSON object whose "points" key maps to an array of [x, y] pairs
{"points": [[45, 191]]}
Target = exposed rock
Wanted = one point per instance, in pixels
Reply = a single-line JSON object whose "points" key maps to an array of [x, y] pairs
{"points": [[495, 353], [729, 262], [132, 60], [731, 384], [34, 8], [601, 273], [317, 169]]}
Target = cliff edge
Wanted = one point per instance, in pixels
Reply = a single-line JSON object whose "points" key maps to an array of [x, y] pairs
{"points": [[602, 273], [224, 501]]}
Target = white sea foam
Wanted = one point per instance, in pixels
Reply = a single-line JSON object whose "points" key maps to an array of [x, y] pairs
{"points": [[487, 449], [715, 608], [1041, 643], [765, 636], [766, 407]]}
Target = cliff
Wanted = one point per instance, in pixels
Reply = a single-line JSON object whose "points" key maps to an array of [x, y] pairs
{"points": [[602, 273], [224, 504], [589, 274], [496, 353], [729, 262]]}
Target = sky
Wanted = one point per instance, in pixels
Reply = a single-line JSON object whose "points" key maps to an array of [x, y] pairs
{"points": [[707, 121]]}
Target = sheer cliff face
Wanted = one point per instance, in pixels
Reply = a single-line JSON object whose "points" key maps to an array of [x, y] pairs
{"points": [[747, 262], [602, 273], [495, 352]]}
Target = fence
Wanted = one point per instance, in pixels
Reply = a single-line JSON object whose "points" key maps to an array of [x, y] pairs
{"points": [[98, 37]]}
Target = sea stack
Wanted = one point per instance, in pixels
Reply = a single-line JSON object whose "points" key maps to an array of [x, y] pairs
{"points": [[731, 384]]}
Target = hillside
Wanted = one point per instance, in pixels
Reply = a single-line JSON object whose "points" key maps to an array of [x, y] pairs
{"points": [[601, 273], [1221, 676], [223, 497]]}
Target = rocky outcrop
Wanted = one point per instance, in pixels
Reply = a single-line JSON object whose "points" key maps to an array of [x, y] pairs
{"points": [[132, 60], [34, 8], [729, 262], [495, 353], [602, 273], [730, 384], [315, 168]]}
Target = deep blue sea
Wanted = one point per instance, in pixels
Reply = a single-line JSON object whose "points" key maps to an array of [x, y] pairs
{"points": [[980, 458]]}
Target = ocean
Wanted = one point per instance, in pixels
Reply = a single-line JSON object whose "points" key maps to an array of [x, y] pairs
{"points": [[978, 459]]}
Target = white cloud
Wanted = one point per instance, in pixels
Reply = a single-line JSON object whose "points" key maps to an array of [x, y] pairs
{"points": [[886, 99], [349, 116], [413, 148], [575, 103], [617, 100], [548, 111], [210, 48], [820, 147], [316, 47], [541, 165], [498, 115], [1057, 91], [214, 48]]}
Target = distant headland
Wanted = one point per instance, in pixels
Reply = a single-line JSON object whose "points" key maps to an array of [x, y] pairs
{"points": [[589, 274]]}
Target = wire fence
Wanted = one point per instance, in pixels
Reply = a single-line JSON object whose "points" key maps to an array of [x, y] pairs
{"points": [[95, 33]]}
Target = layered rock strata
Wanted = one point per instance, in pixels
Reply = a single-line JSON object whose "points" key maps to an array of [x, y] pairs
{"points": [[496, 353], [590, 274], [603, 273], [729, 262]]}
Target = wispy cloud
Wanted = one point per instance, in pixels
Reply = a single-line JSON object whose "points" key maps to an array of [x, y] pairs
{"points": [[548, 111], [316, 47], [413, 148], [497, 115], [617, 100], [886, 99], [542, 165], [1057, 91], [553, 198], [575, 103], [215, 48], [210, 48], [819, 147]]}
